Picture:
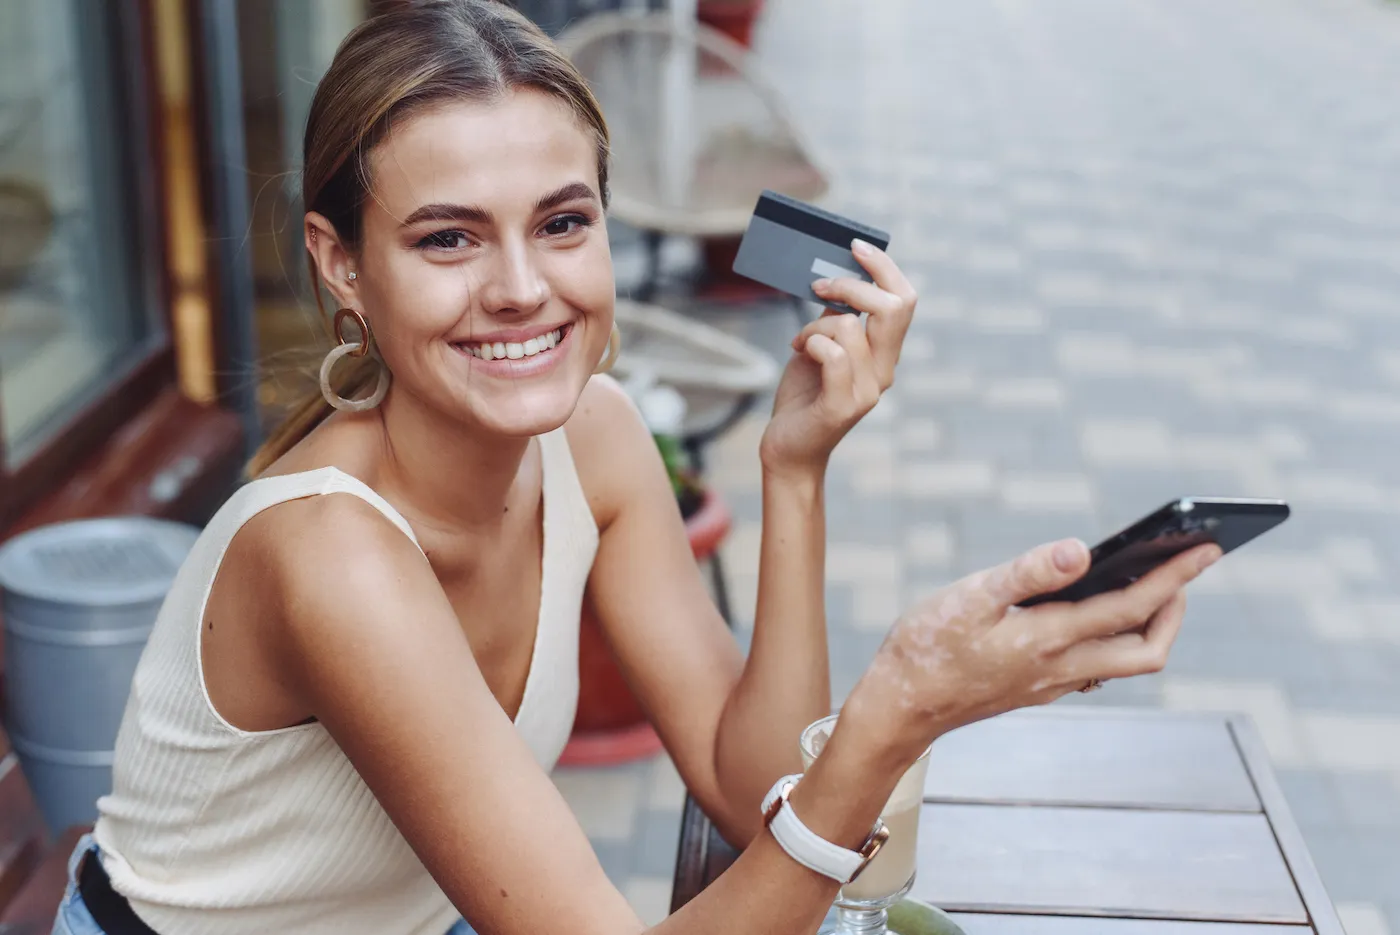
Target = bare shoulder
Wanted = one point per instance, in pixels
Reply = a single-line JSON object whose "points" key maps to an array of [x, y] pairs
{"points": [[310, 559], [334, 533], [611, 446]]}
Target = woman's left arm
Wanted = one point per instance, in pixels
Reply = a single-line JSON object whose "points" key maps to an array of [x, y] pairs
{"points": [[732, 725]]}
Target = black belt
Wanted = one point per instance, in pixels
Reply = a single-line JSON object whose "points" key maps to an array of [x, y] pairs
{"points": [[110, 910]]}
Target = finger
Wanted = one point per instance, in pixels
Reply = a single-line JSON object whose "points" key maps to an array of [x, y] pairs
{"points": [[889, 314], [858, 294], [1128, 654], [1124, 609], [827, 323], [848, 332], [1043, 569], [1162, 630], [887, 331], [837, 375], [882, 268], [889, 301]]}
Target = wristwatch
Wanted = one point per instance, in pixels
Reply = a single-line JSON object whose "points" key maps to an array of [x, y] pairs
{"points": [[810, 849]]}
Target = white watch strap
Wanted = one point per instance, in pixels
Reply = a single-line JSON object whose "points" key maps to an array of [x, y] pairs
{"points": [[803, 844]]}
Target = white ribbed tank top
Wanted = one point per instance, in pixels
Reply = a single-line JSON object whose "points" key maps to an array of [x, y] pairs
{"points": [[212, 830]]}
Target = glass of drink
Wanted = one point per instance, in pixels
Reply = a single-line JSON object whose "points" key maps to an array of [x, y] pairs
{"points": [[861, 905]]}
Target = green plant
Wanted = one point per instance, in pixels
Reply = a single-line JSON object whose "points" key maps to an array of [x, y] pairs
{"points": [[684, 482]]}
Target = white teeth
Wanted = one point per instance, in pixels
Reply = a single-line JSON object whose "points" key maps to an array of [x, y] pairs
{"points": [[529, 348]]}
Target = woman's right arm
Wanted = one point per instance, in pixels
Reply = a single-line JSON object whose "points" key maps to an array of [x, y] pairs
{"points": [[367, 641]]}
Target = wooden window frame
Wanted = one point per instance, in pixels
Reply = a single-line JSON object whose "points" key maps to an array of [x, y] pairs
{"points": [[108, 455]]}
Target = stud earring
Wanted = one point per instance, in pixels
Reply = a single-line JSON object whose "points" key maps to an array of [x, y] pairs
{"points": [[353, 276]]}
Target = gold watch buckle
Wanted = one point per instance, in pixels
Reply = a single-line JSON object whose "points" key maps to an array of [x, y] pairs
{"points": [[878, 836], [778, 804]]}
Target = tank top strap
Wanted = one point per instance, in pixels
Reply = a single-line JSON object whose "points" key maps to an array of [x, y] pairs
{"points": [[338, 481], [266, 492], [557, 464]]}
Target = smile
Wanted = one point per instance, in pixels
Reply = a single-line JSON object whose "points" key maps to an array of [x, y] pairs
{"points": [[510, 350]]}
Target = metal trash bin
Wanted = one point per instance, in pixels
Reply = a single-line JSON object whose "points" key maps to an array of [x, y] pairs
{"points": [[78, 601]]}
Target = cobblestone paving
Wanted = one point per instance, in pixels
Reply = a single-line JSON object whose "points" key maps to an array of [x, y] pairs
{"points": [[1158, 249]]}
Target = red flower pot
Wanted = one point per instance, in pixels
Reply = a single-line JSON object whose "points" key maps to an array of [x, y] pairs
{"points": [[610, 725], [734, 18]]}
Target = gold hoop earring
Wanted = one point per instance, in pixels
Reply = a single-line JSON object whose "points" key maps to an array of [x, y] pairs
{"points": [[344, 348], [614, 347]]}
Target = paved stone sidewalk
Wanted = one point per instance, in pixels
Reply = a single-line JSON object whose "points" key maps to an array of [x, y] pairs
{"points": [[1158, 249]]}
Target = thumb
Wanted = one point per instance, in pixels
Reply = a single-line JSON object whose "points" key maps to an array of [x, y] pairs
{"points": [[1043, 569]]}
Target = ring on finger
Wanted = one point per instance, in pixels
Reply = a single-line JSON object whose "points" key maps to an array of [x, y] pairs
{"points": [[1092, 685]]}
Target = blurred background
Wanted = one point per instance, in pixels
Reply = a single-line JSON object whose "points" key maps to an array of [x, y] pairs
{"points": [[1157, 244]]}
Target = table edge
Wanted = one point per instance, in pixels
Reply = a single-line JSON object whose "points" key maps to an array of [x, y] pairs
{"points": [[1322, 914]]}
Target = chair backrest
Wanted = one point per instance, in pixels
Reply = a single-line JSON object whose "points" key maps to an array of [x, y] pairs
{"points": [[734, 135]]}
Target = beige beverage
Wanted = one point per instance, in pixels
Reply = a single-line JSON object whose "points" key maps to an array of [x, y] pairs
{"points": [[893, 868], [894, 865]]}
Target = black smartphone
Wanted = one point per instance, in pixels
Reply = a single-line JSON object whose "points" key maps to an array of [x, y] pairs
{"points": [[1180, 525]]}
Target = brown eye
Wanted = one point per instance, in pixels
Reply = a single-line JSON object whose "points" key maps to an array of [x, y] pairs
{"points": [[565, 224], [444, 240]]}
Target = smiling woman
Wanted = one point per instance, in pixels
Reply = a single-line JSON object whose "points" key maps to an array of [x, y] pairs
{"points": [[444, 242], [346, 713]]}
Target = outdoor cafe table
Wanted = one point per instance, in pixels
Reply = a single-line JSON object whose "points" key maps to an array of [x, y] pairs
{"points": [[1084, 820]]}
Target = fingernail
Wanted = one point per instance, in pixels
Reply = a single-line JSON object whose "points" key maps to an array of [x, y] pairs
{"points": [[861, 248], [1207, 559], [821, 285], [1067, 554]]}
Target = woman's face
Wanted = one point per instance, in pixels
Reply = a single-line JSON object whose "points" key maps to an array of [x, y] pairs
{"points": [[484, 268]]}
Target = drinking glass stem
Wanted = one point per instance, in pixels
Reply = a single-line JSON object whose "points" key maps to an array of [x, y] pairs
{"points": [[862, 921]]}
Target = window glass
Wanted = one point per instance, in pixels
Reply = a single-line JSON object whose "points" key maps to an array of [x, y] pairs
{"points": [[72, 320]]}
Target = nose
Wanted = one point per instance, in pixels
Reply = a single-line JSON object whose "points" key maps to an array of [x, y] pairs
{"points": [[514, 284]]}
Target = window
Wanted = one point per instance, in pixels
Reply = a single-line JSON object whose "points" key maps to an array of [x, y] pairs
{"points": [[78, 266]]}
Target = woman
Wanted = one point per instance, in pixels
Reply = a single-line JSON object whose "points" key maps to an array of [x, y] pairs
{"points": [[348, 708]]}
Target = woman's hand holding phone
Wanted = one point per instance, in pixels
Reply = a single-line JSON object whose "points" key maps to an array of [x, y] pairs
{"points": [[968, 652]]}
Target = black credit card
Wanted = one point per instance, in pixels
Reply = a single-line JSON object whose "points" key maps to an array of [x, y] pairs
{"points": [[790, 244]]}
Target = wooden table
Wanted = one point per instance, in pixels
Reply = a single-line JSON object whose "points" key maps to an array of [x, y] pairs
{"points": [[1096, 821]]}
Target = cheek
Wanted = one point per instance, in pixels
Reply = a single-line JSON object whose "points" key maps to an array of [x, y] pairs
{"points": [[585, 277], [416, 300]]}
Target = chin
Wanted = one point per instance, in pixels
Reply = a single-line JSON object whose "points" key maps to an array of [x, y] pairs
{"points": [[520, 407], [524, 412]]}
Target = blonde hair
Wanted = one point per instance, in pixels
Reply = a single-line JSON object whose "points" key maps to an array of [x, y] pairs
{"points": [[407, 57]]}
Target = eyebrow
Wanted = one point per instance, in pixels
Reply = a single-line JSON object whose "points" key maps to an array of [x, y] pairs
{"points": [[478, 215]]}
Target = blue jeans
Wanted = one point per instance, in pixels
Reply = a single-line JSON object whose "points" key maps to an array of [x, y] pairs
{"points": [[74, 919]]}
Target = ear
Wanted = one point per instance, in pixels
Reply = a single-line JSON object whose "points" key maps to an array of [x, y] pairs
{"points": [[333, 262]]}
